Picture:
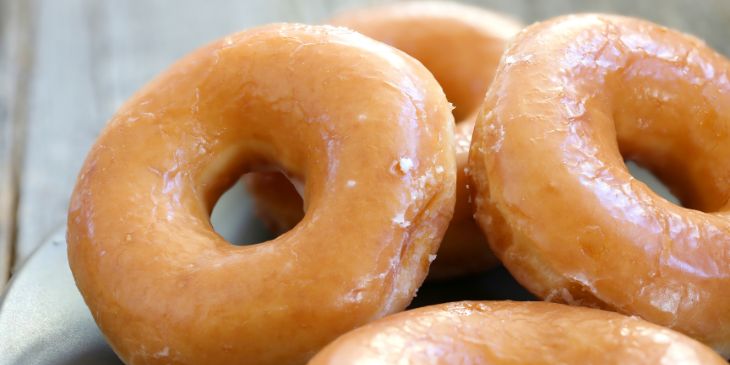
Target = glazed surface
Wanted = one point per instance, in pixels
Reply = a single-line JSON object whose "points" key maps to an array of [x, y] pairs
{"points": [[512, 333], [574, 97], [461, 45], [165, 288]]}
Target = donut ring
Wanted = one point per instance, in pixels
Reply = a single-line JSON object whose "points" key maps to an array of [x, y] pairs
{"points": [[513, 333], [461, 45], [165, 288], [572, 98]]}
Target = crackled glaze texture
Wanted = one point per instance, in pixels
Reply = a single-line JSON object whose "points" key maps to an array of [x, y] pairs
{"points": [[574, 97], [324, 104], [513, 333], [461, 45]]}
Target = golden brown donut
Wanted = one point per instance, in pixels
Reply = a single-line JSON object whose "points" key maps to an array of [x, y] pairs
{"points": [[276, 201], [511, 333], [573, 97], [461, 45], [319, 102]]}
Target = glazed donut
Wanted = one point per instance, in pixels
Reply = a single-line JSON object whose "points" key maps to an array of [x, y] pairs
{"points": [[513, 333], [164, 287], [461, 45], [276, 200], [573, 97]]}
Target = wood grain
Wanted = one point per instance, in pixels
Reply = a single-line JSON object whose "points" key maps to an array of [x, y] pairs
{"points": [[89, 56], [16, 52], [7, 193]]}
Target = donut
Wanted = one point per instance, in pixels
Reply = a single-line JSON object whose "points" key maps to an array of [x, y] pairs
{"points": [[316, 101], [573, 98], [513, 333], [461, 45], [276, 200]]}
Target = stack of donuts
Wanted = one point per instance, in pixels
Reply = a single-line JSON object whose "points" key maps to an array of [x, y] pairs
{"points": [[408, 137]]}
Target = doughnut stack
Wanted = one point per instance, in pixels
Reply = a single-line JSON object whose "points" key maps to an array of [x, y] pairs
{"points": [[406, 137]]}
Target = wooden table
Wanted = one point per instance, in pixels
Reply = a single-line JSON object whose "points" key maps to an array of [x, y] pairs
{"points": [[65, 66]]}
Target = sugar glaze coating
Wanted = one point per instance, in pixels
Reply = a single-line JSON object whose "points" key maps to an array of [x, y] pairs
{"points": [[513, 333], [461, 45], [572, 98], [165, 288]]}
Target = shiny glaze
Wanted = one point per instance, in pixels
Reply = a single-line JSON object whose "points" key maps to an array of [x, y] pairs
{"points": [[461, 45], [318, 102], [572, 98], [513, 333]]}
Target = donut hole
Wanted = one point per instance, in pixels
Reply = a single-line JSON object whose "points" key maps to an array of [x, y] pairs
{"points": [[234, 219], [682, 181], [645, 175], [258, 208], [673, 128]]}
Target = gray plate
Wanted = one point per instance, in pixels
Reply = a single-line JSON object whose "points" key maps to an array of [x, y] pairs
{"points": [[43, 319]]}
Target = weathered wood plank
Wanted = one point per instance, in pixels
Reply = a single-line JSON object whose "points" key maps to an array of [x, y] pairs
{"points": [[92, 55], [16, 52], [6, 187], [62, 114]]}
